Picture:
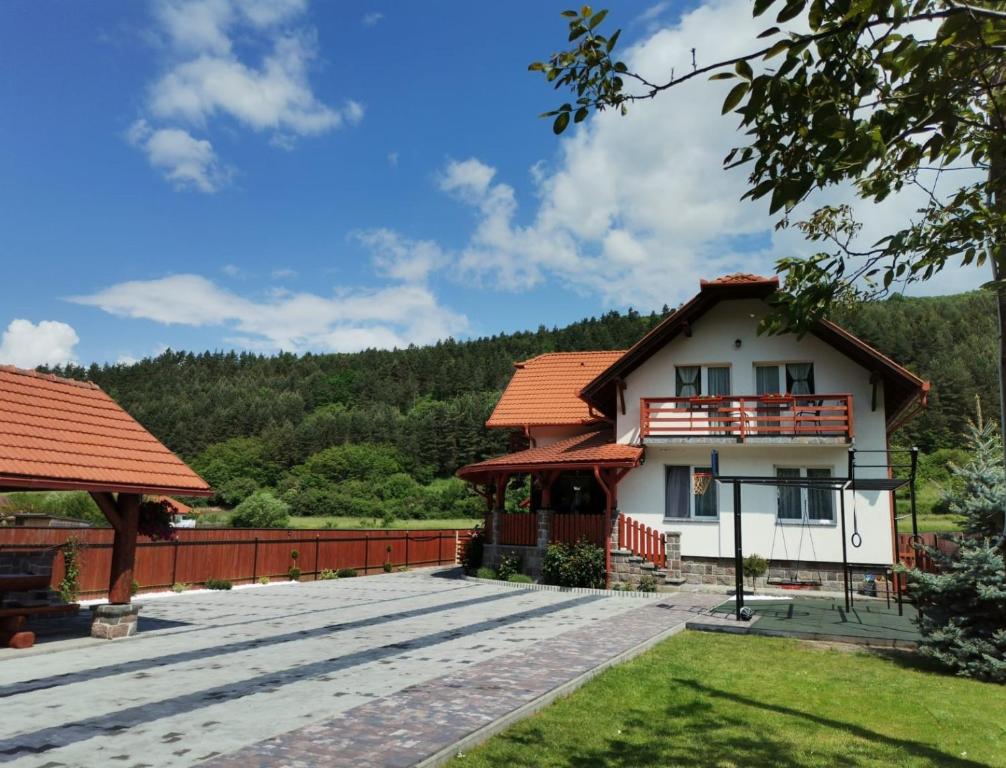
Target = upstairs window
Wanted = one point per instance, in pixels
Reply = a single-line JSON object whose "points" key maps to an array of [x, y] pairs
{"points": [[688, 381], [799, 379]]}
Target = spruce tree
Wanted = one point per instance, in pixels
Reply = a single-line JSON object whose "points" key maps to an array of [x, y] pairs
{"points": [[981, 495]]}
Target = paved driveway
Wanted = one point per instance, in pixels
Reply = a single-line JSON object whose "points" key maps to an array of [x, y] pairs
{"points": [[378, 671]]}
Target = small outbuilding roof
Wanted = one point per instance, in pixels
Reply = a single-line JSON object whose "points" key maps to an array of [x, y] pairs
{"points": [[61, 434], [545, 390]]}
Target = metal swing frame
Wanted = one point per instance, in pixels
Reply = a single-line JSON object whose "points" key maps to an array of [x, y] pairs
{"points": [[850, 482]]}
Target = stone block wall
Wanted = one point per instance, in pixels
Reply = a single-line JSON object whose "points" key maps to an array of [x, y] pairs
{"points": [[720, 572]]}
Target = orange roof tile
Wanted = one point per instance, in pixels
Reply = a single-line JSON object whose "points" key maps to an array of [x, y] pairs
{"points": [[58, 434], [545, 390], [740, 278], [597, 447]]}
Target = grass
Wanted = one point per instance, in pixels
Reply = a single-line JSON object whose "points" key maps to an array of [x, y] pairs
{"points": [[355, 522], [931, 524], [721, 700]]}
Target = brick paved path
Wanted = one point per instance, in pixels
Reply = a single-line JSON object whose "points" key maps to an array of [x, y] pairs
{"points": [[376, 671]]}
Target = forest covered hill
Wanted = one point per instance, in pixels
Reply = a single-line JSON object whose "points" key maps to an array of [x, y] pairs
{"points": [[240, 415]]}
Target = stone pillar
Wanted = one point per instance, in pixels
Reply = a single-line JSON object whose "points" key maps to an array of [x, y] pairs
{"points": [[544, 529], [114, 621], [672, 550], [615, 544]]}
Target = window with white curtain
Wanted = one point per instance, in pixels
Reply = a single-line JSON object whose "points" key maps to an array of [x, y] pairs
{"points": [[688, 380]]}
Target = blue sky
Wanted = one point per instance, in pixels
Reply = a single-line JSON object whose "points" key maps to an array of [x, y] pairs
{"points": [[206, 174]]}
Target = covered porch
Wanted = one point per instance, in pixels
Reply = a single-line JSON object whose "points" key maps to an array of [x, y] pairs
{"points": [[571, 495]]}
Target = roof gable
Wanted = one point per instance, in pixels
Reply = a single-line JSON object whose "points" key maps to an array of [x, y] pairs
{"points": [[903, 390], [545, 390], [58, 434]]}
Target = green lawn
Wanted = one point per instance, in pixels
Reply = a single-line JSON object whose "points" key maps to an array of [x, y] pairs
{"points": [[355, 522], [723, 701], [931, 524]]}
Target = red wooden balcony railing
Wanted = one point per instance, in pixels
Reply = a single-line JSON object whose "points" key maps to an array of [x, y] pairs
{"points": [[571, 528], [519, 529], [642, 540], [747, 416]]}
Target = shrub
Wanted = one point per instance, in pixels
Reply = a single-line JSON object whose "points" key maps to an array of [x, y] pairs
{"points": [[236, 490], [223, 584], [388, 567], [577, 565], [755, 566], [327, 574], [263, 579], [509, 565], [134, 587], [520, 578], [179, 586], [647, 583], [294, 573], [962, 611], [471, 558], [485, 573], [346, 573], [261, 510], [69, 587]]}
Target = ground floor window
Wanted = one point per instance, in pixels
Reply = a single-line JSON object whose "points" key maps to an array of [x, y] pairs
{"points": [[681, 502], [798, 504]]}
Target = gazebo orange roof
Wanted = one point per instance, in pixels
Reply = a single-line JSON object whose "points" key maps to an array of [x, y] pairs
{"points": [[61, 434], [545, 390]]}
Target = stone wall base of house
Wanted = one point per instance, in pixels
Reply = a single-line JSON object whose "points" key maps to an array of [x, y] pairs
{"points": [[815, 575], [113, 622]]}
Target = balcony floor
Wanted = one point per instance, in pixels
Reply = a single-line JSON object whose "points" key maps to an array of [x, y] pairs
{"points": [[830, 440]]}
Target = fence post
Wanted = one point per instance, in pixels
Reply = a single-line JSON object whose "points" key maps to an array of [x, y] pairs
{"points": [[317, 549], [406, 548], [255, 562], [174, 565], [366, 552]]}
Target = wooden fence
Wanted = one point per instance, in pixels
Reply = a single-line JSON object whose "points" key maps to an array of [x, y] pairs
{"points": [[571, 528], [910, 557], [519, 529], [648, 543], [242, 554]]}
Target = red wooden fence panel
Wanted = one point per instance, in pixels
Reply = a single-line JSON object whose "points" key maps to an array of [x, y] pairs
{"points": [[571, 528], [519, 529], [640, 539], [242, 555]]}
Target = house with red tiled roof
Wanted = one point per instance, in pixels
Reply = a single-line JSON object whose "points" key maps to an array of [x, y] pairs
{"points": [[620, 443]]}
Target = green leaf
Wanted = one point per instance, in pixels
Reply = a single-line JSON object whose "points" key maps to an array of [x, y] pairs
{"points": [[597, 18], [560, 123], [734, 97], [723, 76], [581, 115], [790, 11], [761, 6], [744, 70], [613, 39], [570, 14]]}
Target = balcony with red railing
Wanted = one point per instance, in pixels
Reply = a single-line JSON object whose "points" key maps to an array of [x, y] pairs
{"points": [[807, 419]]}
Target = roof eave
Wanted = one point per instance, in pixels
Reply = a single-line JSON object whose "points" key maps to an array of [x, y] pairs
{"points": [[20, 483]]}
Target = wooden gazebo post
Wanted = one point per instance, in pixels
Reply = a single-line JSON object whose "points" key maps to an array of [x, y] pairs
{"points": [[123, 512]]}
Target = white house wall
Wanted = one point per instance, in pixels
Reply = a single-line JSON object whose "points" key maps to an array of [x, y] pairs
{"points": [[543, 436], [641, 493]]}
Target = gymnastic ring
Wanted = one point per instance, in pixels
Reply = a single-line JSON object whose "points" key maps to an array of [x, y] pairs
{"points": [[856, 539]]}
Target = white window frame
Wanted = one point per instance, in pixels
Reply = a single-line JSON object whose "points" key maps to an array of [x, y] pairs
{"points": [[704, 376], [781, 366], [805, 499], [692, 517]]}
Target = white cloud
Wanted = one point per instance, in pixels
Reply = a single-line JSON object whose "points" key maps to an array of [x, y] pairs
{"points": [[348, 320], [208, 77], [371, 19], [400, 258], [186, 161], [284, 274], [26, 344], [637, 209]]}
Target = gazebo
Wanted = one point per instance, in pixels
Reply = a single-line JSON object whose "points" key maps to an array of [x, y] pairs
{"points": [[57, 434]]}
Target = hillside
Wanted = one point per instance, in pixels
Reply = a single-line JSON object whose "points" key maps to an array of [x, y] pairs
{"points": [[430, 403]]}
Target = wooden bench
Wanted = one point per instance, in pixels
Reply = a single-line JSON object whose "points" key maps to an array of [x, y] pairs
{"points": [[14, 617]]}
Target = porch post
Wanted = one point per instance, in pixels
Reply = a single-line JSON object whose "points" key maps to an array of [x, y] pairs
{"points": [[120, 580]]}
